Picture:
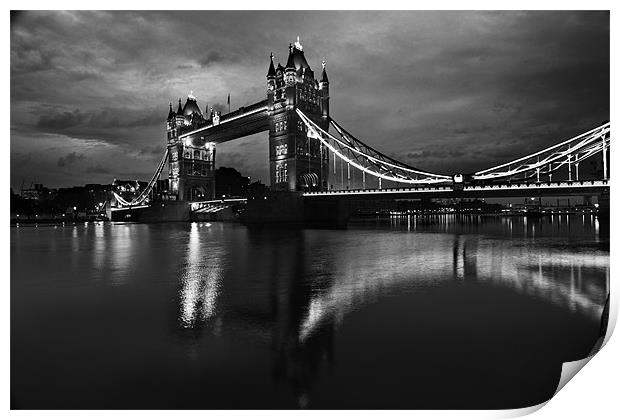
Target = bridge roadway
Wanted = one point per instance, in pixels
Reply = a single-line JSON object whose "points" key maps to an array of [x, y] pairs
{"points": [[506, 190]]}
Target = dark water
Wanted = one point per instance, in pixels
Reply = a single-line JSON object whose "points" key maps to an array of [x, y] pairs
{"points": [[405, 313]]}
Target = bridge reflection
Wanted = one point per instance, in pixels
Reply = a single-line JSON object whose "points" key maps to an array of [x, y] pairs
{"points": [[294, 295]]}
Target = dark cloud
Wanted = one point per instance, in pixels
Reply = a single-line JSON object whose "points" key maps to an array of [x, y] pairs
{"points": [[70, 159], [112, 126], [97, 169], [446, 91], [434, 153], [153, 153], [20, 159], [106, 118], [126, 118], [210, 58], [61, 121]]}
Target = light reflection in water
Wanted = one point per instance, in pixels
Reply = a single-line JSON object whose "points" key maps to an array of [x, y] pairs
{"points": [[527, 265], [99, 251], [122, 253], [200, 279]]}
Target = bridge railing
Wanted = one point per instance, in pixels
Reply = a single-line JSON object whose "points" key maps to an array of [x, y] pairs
{"points": [[448, 188]]}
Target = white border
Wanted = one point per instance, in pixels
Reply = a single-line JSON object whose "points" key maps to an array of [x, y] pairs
{"points": [[591, 395]]}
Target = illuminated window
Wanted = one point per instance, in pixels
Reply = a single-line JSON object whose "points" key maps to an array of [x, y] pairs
{"points": [[281, 149], [281, 172], [280, 126]]}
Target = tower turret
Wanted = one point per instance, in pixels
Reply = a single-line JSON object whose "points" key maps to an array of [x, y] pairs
{"points": [[324, 90], [290, 70], [324, 80], [271, 73], [271, 83], [179, 117]]}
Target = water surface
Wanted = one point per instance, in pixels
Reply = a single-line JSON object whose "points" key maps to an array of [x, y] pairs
{"points": [[418, 312]]}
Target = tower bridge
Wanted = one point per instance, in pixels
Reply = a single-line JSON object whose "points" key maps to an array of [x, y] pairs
{"points": [[315, 164]]}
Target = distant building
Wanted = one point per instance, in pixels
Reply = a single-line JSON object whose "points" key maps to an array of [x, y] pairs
{"points": [[35, 193]]}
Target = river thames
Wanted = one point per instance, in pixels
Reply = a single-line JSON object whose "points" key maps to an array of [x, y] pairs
{"points": [[406, 312]]}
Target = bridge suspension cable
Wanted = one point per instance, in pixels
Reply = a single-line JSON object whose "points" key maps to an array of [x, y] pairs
{"points": [[566, 155], [546, 161], [368, 160], [143, 196]]}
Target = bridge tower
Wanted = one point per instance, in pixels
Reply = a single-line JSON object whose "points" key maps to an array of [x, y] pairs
{"points": [[191, 162], [296, 162]]}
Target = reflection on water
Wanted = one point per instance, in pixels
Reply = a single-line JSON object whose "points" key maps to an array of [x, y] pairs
{"points": [[200, 280], [305, 318], [527, 267]]}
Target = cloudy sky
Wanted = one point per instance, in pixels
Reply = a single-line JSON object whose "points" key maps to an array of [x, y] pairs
{"points": [[444, 91]]}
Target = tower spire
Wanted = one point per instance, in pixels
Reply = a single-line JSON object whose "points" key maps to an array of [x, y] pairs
{"points": [[180, 108], [290, 63], [272, 70], [324, 78], [171, 112]]}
